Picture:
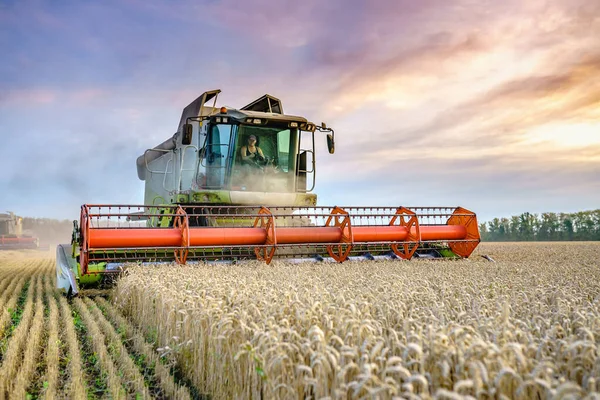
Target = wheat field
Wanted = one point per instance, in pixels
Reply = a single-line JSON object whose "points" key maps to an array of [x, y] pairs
{"points": [[525, 327]]}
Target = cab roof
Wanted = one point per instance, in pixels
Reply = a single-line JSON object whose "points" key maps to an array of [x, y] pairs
{"points": [[243, 115]]}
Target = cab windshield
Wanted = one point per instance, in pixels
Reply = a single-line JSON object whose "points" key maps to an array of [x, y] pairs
{"points": [[264, 158], [276, 144]]}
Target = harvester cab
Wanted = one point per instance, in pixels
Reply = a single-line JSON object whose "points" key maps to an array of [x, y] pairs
{"points": [[237, 184], [247, 156], [11, 234]]}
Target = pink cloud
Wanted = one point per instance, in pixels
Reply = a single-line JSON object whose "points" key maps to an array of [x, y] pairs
{"points": [[28, 96], [43, 96], [88, 95]]}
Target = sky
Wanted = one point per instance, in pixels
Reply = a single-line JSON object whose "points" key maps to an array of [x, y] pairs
{"points": [[492, 106]]}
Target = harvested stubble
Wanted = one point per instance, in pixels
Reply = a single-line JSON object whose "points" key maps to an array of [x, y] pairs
{"points": [[114, 382], [75, 387], [167, 385], [51, 347], [527, 326], [13, 356], [14, 276], [33, 348], [53, 350], [133, 378]]}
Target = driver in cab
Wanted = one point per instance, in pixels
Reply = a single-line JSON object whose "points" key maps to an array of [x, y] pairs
{"points": [[252, 154]]}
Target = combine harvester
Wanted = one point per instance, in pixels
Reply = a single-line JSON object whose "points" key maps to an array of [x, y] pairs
{"points": [[11, 234], [210, 194]]}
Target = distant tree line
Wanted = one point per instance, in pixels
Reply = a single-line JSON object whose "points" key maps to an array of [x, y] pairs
{"points": [[583, 225]]}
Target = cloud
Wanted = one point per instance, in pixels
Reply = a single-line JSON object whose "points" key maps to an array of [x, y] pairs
{"points": [[28, 96], [43, 97], [508, 110], [576, 75], [454, 61], [491, 185]]}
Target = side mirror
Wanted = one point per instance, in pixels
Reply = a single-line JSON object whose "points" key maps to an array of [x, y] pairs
{"points": [[186, 137], [330, 143]]}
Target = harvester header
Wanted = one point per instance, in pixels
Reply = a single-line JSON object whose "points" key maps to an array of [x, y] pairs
{"points": [[236, 184]]}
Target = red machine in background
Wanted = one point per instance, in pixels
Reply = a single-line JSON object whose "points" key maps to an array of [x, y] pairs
{"points": [[11, 234]]}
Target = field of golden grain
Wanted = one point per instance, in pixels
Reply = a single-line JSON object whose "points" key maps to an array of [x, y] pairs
{"points": [[524, 327]]}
